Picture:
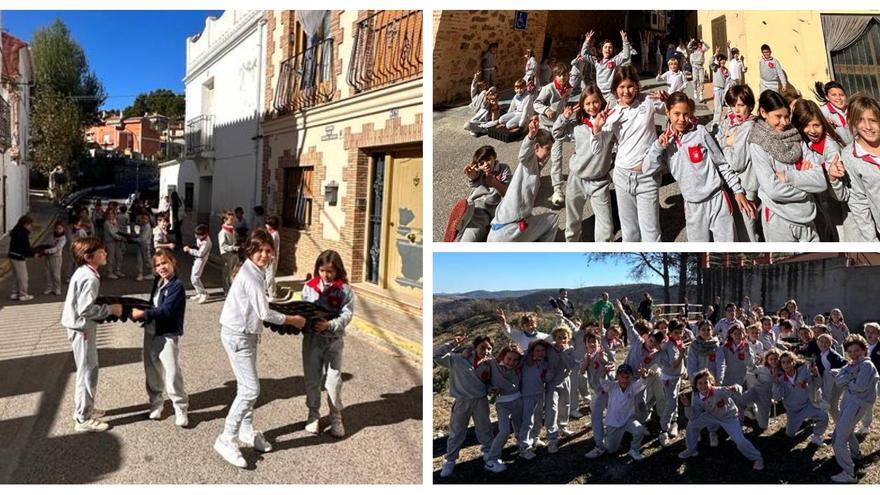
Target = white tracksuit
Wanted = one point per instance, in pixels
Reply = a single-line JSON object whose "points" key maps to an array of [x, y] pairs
{"points": [[588, 177], [698, 165], [201, 254], [621, 414], [675, 80], [639, 356], [720, 84], [718, 409], [859, 380], [54, 255], [795, 393], [788, 209], [698, 58], [519, 113], [737, 156], [670, 376], [550, 98], [638, 198], [830, 214], [513, 217], [862, 195], [771, 73]]}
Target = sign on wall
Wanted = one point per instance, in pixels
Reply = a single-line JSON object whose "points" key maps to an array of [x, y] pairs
{"points": [[520, 20]]}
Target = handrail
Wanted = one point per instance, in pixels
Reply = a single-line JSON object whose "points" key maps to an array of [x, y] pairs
{"points": [[387, 49], [199, 135], [306, 79]]}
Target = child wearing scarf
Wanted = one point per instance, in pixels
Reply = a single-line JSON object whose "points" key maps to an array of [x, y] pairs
{"points": [[549, 104]]}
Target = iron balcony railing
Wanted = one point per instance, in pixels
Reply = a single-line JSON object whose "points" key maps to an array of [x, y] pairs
{"points": [[199, 135], [306, 79], [387, 49], [5, 125]]}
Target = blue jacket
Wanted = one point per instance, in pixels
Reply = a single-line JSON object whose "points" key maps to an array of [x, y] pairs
{"points": [[20, 244], [168, 314]]}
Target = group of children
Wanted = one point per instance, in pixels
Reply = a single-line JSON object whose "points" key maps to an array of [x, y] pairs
{"points": [[737, 368], [792, 171]]}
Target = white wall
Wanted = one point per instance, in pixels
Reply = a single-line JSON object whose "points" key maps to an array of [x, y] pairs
{"points": [[17, 172]]}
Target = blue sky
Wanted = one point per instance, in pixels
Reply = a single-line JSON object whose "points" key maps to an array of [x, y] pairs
{"points": [[131, 51], [464, 272]]}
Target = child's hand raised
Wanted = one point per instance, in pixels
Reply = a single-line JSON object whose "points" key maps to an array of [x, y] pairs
{"points": [[623, 35], [836, 170], [618, 305], [745, 205], [589, 35], [501, 316], [665, 138], [534, 125], [470, 170], [659, 95], [643, 372], [568, 112]]}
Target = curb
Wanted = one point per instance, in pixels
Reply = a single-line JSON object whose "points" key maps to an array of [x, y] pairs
{"points": [[5, 265]]}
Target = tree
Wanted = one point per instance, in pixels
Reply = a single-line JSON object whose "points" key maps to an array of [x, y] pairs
{"points": [[643, 265], [56, 131], [162, 101]]}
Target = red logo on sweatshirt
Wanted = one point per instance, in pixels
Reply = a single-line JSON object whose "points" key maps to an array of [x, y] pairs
{"points": [[647, 359], [720, 404], [741, 356], [804, 384], [522, 225], [711, 358], [695, 153], [798, 164], [596, 365], [771, 65], [610, 65], [484, 376]]}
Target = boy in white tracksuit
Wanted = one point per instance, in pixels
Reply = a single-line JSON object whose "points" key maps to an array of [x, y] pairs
{"points": [[201, 254], [698, 51], [588, 175], [513, 217], [770, 71], [674, 78], [53, 256], [521, 109], [549, 104], [859, 380], [621, 415]]}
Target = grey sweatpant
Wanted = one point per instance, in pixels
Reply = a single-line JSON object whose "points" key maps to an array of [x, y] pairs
{"points": [[53, 273], [462, 412], [730, 425], [746, 226], [778, 229], [477, 228], [533, 414], [868, 418], [196, 276], [509, 421], [85, 355], [21, 277], [577, 191], [718, 102], [762, 401], [556, 405], [162, 370], [699, 80], [844, 441], [271, 286], [542, 227], [794, 420], [229, 260], [711, 218], [598, 404], [242, 351], [322, 367], [144, 262], [556, 161], [638, 203], [614, 435], [670, 404]]}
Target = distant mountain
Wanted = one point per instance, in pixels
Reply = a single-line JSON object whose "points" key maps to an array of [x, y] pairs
{"points": [[485, 294]]}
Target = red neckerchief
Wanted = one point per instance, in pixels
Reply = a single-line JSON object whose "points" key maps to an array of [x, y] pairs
{"points": [[735, 121], [228, 228], [819, 146], [866, 157], [315, 283], [710, 393], [735, 347], [841, 114], [562, 89], [587, 122], [724, 71], [97, 274]]}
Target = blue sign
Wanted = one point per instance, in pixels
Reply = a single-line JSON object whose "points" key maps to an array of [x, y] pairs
{"points": [[520, 20]]}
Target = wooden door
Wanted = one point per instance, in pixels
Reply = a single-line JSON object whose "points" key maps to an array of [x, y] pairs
{"points": [[404, 232]]}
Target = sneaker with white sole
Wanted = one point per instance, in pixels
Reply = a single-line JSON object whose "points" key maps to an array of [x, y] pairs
{"points": [[312, 426], [26, 297], [91, 425], [553, 447], [575, 415], [14, 296], [47, 292], [57, 292], [540, 443], [112, 276], [713, 439], [156, 412], [447, 469], [120, 275], [817, 440], [558, 198], [194, 297], [181, 419], [596, 452], [495, 467], [337, 430], [202, 299], [635, 454], [844, 477], [673, 430], [687, 454], [229, 452], [98, 413], [527, 454], [664, 439], [256, 440], [139, 278]]}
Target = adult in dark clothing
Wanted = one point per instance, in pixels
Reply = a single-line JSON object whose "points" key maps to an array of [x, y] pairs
{"points": [[19, 251], [646, 307], [562, 303], [176, 221], [717, 312]]}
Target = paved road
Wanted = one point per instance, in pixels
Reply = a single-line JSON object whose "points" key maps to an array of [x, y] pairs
{"points": [[454, 147], [382, 391]]}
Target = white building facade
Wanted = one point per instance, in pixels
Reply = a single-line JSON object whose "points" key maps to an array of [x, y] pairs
{"points": [[17, 74]]}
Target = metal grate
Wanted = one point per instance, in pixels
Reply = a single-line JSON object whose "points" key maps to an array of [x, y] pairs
{"points": [[857, 67], [387, 49], [5, 125], [199, 135], [306, 79]]}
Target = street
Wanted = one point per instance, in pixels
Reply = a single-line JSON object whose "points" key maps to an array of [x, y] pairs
{"points": [[382, 393]]}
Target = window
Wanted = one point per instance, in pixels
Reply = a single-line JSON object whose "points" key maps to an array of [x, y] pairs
{"points": [[297, 209], [719, 31], [857, 67]]}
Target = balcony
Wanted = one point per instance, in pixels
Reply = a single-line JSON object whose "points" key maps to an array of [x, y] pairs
{"points": [[5, 125], [306, 79], [387, 49], [200, 137]]}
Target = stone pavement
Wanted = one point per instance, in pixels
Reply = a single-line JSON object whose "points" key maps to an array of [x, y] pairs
{"points": [[382, 392], [454, 147]]}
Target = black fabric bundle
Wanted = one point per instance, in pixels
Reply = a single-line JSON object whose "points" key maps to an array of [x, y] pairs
{"points": [[308, 310], [128, 303]]}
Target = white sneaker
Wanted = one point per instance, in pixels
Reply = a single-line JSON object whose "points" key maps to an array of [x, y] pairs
{"points": [[47, 292], [540, 443], [337, 430], [156, 412], [181, 420], [202, 299], [256, 440], [553, 447], [112, 276], [636, 456], [664, 439], [558, 198], [713, 439], [312, 426], [673, 430], [596, 452], [844, 477], [861, 429], [14, 297], [687, 454], [495, 467], [194, 297], [90, 425], [26, 297], [229, 452], [448, 467], [575, 415], [98, 413], [527, 454], [139, 278], [817, 440]]}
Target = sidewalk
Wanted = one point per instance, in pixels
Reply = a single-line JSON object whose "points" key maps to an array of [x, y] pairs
{"points": [[44, 214]]}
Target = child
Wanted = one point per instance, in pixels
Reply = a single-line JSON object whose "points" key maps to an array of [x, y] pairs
{"points": [[228, 248], [671, 360], [535, 373], [531, 76], [643, 346], [241, 322], [144, 240], [201, 254], [704, 352], [272, 224], [160, 234], [697, 163], [712, 407], [860, 381], [488, 179], [733, 136], [827, 360], [631, 122], [837, 327], [596, 366], [79, 318], [98, 218], [53, 257], [513, 219], [487, 64], [322, 349], [736, 66], [757, 400], [725, 324], [114, 240], [526, 334], [698, 49], [508, 405], [720, 84], [469, 373], [77, 231], [558, 388], [19, 251], [549, 104], [241, 225], [162, 332], [589, 166], [483, 110], [736, 357], [674, 78], [621, 416], [833, 99], [794, 388], [520, 111], [770, 71], [859, 162], [872, 336], [259, 216], [788, 173], [606, 67]]}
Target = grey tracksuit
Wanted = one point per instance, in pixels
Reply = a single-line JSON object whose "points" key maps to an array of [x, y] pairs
{"points": [[605, 67], [771, 73], [113, 242], [201, 259], [228, 253], [859, 380], [737, 156], [480, 111], [830, 213], [718, 409], [578, 71], [558, 391], [144, 243], [837, 118], [468, 387], [637, 193], [519, 113], [513, 217], [698, 58], [534, 379], [579, 385], [622, 416], [508, 405], [720, 84], [79, 317], [839, 331], [796, 397], [532, 71], [483, 200], [73, 235], [736, 360], [863, 193], [640, 356], [549, 98], [760, 393], [671, 361], [676, 81], [697, 360], [697, 163], [588, 178], [788, 208], [54, 256]]}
